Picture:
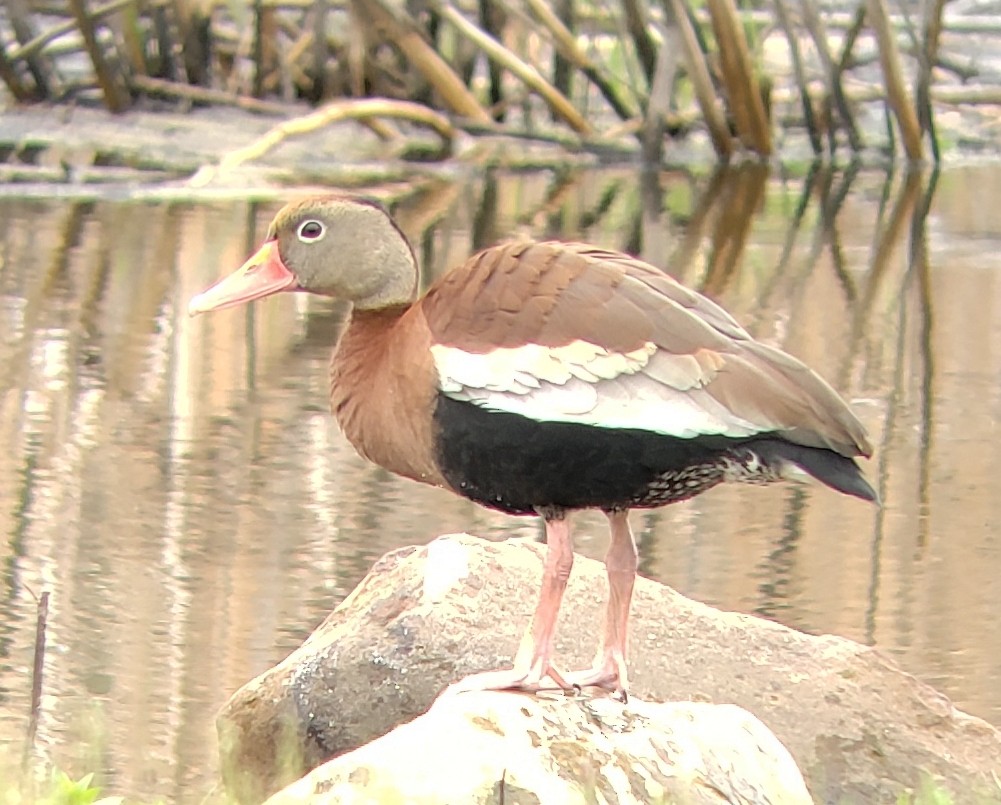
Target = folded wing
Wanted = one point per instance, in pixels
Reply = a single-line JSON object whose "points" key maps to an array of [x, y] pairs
{"points": [[568, 333]]}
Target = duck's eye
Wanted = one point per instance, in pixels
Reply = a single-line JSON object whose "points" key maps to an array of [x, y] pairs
{"points": [[310, 231]]}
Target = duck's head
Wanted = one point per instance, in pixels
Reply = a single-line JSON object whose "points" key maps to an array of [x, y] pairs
{"points": [[339, 246]]}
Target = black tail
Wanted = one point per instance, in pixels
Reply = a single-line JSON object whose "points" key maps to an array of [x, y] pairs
{"points": [[828, 467]]}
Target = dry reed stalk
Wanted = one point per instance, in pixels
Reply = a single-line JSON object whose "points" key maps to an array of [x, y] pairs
{"points": [[921, 264], [131, 33], [743, 90], [36, 43], [593, 216], [10, 77], [522, 70], [19, 15], [782, 13], [302, 43], [493, 16], [265, 57], [334, 112], [567, 49], [959, 23], [888, 239], [484, 229], [402, 32], [658, 106], [741, 202], [698, 73], [428, 205], [832, 78], [636, 24], [831, 202], [685, 260], [563, 11], [848, 43], [196, 39], [115, 95], [300, 37], [167, 66], [929, 56], [780, 267], [896, 89], [215, 97], [37, 673], [320, 51], [965, 68], [951, 94], [563, 181]]}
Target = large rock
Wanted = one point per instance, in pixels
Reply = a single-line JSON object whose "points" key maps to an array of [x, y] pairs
{"points": [[487, 748], [860, 729]]}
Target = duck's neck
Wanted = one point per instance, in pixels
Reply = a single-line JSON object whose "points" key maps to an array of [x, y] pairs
{"points": [[383, 388], [363, 349]]}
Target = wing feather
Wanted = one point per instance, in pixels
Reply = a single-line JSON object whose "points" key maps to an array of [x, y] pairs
{"points": [[566, 332]]}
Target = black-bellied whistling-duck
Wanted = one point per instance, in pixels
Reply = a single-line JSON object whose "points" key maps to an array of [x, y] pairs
{"points": [[541, 378]]}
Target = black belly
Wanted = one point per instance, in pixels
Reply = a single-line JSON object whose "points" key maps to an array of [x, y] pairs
{"points": [[519, 465]]}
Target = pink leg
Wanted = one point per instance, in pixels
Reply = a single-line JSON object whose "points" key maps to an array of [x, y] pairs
{"points": [[532, 666], [621, 561]]}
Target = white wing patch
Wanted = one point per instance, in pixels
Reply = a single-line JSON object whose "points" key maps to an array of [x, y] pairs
{"points": [[645, 389], [519, 369]]}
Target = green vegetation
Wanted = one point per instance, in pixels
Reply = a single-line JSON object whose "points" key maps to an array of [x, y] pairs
{"points": [[59, 789], [931, 791]]}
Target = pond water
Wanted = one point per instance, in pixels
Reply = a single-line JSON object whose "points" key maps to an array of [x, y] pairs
{"points": [[180, 490]]}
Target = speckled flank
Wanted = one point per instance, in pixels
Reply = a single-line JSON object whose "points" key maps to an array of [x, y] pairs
{"points": [[737, 465]]}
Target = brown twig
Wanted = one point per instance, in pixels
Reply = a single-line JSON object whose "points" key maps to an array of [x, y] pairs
{"points": [[216, 97], [334, 112], [37, 672]]}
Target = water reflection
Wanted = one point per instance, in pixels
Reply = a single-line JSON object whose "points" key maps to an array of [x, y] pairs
{"points": [[180, 489]]}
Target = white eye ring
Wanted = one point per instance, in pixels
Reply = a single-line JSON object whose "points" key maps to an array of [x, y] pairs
{"points": [[316, 230]]}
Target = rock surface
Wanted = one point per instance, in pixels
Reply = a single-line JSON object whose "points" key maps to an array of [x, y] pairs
{"points": [[860, 729], [480, 748]]}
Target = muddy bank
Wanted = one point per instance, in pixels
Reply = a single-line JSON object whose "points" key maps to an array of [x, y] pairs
{"points": [[154, 153]]}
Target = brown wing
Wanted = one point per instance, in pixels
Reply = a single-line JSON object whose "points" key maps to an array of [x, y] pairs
{"points": [[568, 332]]}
